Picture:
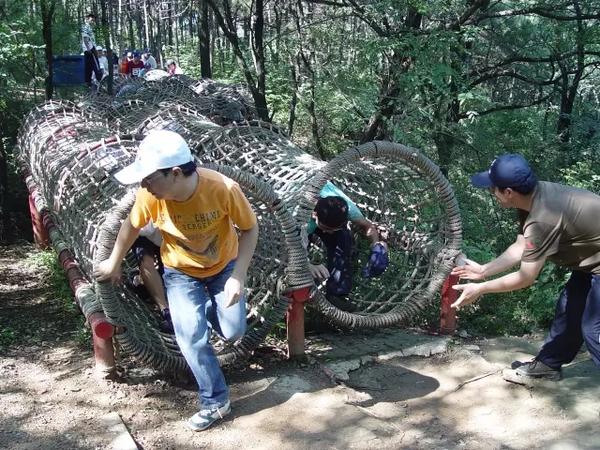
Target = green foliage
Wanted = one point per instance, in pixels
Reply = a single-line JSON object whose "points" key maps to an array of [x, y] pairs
{"points": [[370, 56], [7, 338], [582, 174], [59, 288], [188, 60], [83, 337], [57, 281], [537, 310]]}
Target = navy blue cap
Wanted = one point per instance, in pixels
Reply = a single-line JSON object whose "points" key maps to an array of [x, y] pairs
{"points": [[507, 171], [136, 54]]}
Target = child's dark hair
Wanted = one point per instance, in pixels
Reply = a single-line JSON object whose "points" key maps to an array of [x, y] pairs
{"points": [[188, 168], [332, 211]]}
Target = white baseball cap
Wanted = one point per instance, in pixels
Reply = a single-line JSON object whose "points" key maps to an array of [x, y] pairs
{"points": [[161, 149], [99, 48]]}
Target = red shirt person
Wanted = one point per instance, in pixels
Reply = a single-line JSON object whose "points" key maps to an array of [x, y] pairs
{"points": [[135, 66]]}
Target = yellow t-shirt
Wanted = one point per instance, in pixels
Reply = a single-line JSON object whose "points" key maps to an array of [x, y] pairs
{"points": [[199, 237]]}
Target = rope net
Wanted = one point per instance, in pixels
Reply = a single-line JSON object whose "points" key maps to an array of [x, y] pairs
{"points": [[72, 151], [417, 216]]}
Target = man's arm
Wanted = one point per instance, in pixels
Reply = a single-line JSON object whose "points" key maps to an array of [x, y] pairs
{"points": [[509, 258], [524, 277], [110, 269], [369, 229], [235, 283], [246, 247]]}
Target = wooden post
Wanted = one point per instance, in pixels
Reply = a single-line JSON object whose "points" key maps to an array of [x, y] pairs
{"points": [[102, 333], [295, 322], [447, 313], [40, 234]]}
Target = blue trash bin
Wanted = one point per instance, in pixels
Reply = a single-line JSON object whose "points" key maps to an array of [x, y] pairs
{"points": [[67, 70]]}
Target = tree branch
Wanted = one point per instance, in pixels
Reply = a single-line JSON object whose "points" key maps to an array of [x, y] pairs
{"points": [[467, 14], [539, 11], [504, 108]]}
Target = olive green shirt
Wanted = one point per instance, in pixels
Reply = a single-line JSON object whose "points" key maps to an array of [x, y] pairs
{"points": [[563, 225]]}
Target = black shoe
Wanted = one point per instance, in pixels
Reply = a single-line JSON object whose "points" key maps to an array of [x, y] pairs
{"points": [[537, 369], [516, 364], [166, 324]]}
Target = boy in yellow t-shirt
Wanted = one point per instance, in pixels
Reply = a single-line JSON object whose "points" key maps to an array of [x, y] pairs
{"points": [[205, 262]]}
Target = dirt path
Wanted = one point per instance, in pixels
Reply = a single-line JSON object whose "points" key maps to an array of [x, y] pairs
{"points": [[49, 398]]}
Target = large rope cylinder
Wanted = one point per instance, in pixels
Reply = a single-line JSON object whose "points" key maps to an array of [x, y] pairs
{"points": [[72, 152]]}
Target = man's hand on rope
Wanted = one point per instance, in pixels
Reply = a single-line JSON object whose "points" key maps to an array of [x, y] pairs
{"points": [[470, 270], [319, 272], [108, 271], [233, 291], [470, 294]]}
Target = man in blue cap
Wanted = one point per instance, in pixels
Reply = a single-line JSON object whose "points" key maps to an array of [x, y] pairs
{"points": [[560, 224]]}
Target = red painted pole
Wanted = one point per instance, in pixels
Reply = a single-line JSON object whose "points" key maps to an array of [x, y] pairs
{"points": [[40, 234], [447, 313], [102, 333], [100, 326], [295, 322]]}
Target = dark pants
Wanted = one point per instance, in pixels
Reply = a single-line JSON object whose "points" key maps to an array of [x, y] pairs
{"points": [[91, 64], [577, 319], [338, 246]]}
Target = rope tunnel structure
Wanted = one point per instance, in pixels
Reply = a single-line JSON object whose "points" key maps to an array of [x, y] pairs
{"points": [[70, 153]]}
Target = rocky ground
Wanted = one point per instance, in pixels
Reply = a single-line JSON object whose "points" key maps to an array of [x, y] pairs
{"points": [[387, 389]]}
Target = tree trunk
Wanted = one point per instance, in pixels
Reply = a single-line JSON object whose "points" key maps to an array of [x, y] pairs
{"points": [[4, 217], [131, 33], [569, 92], [294, 100], [308, 64], [256, 86], [169, 26], [47, 10], [204, 41], [146, 26], [400, 62], [258, 52], [159, 41], [107, 43]]}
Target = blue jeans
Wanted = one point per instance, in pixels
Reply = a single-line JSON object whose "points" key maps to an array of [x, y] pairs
{"points": [[576, 320], [197, 306]]}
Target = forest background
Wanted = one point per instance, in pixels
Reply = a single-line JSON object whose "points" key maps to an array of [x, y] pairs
{"points": [[461, 80]]}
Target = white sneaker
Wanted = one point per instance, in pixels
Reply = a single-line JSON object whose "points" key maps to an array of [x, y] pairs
{"points": [[206, 417]]}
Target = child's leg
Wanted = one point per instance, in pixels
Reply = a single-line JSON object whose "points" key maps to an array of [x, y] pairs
{"points": [[152, 280]]}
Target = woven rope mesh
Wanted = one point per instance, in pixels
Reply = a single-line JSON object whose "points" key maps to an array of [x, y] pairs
{"points": [[72, 151], [413, 205], [71, 154]]}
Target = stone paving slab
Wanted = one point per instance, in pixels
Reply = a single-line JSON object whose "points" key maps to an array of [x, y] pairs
{"points": [[381, 344], [342, 353]]}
